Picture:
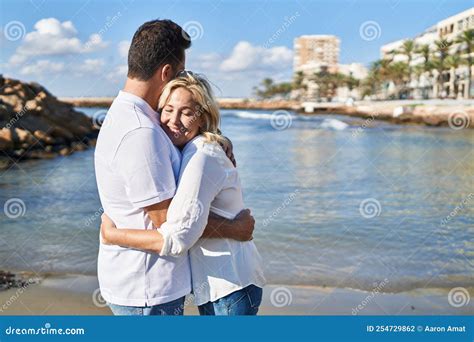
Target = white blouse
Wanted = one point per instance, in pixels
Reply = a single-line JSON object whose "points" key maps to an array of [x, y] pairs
{"points": [[208, 181]]}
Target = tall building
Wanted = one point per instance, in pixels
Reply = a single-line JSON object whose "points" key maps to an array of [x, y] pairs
{"points": [[312, 52], [316, 53]]}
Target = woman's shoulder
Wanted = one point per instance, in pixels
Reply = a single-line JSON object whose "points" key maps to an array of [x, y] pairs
{"points": [[209, 152]]}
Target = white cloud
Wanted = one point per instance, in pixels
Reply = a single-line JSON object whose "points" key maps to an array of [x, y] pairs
{"points": [[123, 48], [205, 62], [246, 56], [118, 74], [51, 37], [91, 66], [42, 67], [243, 68]]}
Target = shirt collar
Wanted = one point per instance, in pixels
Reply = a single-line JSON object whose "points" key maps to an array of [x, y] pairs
{"points": [[139, 102]]}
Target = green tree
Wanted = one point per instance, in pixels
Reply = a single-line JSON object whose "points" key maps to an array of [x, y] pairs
{"points": [[408, 48], [466, 39], [398, 73], [453, 62], [439, 63]]}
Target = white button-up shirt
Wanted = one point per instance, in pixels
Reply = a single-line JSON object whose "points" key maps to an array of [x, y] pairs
{"points": [[209, 182], [136, 166]]}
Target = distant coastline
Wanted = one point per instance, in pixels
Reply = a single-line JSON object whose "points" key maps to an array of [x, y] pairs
{"points": [[457, 114]]}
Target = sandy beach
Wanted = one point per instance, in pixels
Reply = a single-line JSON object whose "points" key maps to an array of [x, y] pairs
{"points": [[70, 294]]}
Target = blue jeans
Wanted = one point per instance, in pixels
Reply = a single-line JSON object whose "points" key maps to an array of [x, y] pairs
{"points": [[242, 302], [174, 308]]}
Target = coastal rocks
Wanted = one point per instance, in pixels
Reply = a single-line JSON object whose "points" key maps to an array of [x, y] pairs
{"points": [[452, 115], [265, 105], [10, 280], [35, 124]]}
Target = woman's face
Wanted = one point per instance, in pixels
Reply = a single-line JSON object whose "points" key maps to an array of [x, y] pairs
{"points": [[179, 117]]}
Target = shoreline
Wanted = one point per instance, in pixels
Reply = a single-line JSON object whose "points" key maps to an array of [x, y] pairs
{"points": [[456, 114], [73, 294]]}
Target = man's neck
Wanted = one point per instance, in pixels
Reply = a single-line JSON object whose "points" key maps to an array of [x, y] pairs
{"points": [[147, 90]]}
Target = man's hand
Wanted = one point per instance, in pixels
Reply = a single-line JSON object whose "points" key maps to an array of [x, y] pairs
{"points": [[240, 228], [228, 149], [245, 224]]}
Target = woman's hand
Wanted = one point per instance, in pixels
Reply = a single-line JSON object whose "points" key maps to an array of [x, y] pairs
{"points": [[107, 229]]}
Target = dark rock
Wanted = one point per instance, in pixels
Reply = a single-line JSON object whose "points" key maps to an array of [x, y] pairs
{"points": [[32, 119]]}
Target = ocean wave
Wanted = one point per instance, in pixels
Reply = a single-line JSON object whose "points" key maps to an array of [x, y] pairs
{"points": [[324, 123], [334, 124]]}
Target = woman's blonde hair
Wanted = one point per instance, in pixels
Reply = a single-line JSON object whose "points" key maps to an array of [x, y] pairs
{"points": [[206, 106]]}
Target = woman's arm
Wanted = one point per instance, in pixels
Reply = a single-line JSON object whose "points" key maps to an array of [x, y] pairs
{"points": [[147, 240], [240, 229], [201, 180], [188, 214]]}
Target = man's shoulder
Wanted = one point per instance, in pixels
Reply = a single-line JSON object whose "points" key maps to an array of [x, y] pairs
{"points": [[129, 116]]}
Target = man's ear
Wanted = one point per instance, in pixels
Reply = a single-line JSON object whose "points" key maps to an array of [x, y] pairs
{"points": [[167, 73]]}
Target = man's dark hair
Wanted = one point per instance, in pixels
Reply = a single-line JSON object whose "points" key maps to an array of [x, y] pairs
{"points": [[156, 43]]}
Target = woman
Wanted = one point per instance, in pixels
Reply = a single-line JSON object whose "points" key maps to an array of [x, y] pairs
{"points": [[227, 274]]}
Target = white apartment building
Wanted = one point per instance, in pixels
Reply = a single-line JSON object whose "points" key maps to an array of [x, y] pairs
{"points": [[455, 81]]}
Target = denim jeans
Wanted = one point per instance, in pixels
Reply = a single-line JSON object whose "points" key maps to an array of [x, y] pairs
{"points": [[242, 302], [174, 308]]}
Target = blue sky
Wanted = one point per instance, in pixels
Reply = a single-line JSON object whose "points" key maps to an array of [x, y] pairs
{"points": [[78, 47]]}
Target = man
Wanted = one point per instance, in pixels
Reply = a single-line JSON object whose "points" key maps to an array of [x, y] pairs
{"points": [[136, 170]]}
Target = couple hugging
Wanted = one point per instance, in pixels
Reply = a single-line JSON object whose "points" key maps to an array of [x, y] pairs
{"points": [[174, 221]]}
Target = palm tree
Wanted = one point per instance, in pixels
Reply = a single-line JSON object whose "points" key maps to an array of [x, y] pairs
{"points": [[298, 85], [408, 49], [442, 50], [453, 62], [398, 73], [467, 39], [425, 51], [267, 85]]}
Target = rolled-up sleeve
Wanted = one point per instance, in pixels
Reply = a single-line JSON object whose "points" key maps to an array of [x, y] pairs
{"points": [[202, 179], [143, 161]]}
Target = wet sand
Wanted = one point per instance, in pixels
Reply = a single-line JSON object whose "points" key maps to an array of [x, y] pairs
{"points": [[78, 295]]}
